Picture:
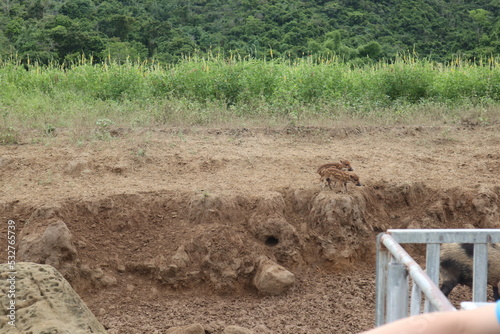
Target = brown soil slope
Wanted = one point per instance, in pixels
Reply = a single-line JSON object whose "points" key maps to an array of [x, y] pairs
{"points": [[168, 224]]}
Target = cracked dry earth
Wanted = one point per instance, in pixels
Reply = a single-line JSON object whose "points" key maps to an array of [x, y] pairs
{"points": [[132, 202]]}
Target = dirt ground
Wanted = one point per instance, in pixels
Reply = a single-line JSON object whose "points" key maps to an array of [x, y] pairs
{"points": [[225, 197]]}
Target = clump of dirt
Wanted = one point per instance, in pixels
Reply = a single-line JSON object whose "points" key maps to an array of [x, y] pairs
{"points": [[48, 242], [339, 225], [175, 237]]}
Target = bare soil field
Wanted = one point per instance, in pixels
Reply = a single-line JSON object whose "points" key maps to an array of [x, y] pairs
{"points": [[167, 225]]}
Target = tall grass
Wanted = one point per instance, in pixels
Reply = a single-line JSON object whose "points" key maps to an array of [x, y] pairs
{"points": [[204, 90]]}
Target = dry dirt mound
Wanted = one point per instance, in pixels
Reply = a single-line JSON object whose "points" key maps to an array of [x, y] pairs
{"points": [[173, 235]]}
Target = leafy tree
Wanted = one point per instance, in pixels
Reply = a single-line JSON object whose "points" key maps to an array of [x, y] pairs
{"points": [[152, 32], [370, 50], [14, 28], [36, 9], [117, 26], [438, 29], [482, 18], [332, 41], [314, 47], [253, 26], [122, 51], [70, 36], [35, 44], [78, 9], [172, 50], [6, 48], [108, 8]]}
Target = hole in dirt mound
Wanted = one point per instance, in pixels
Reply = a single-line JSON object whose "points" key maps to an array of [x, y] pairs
{"points": [[271, 241]]}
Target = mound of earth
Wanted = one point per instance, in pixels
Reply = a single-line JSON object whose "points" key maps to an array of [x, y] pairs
{"points": [[165, 228]]}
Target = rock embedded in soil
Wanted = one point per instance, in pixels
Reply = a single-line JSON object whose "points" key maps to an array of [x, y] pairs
{"points": [[44, 301], [48, 243], [181, 258], [76, 168], [272, 279], [100, 279], [189, 329], [237, 330]]}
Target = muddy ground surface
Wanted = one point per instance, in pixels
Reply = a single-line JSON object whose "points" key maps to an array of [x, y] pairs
{"points": [[167, 225]]}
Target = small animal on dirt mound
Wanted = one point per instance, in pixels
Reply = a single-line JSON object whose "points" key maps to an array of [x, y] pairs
{"points": [[342, 165], [457, 266], [333, 174]]}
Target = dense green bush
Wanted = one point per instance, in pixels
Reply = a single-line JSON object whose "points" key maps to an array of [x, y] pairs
{"points": [[50, 94]]}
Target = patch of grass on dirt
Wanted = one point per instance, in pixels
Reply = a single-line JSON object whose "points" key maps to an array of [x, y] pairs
{"points": [[8, 136]]}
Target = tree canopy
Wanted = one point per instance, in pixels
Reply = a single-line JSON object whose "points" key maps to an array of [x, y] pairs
{"points": [[60, 30]]}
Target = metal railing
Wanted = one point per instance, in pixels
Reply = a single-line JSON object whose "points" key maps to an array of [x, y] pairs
{"points": [[395, 266]]}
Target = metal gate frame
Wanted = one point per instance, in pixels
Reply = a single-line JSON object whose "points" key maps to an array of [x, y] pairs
{"points": [[395, 266]]}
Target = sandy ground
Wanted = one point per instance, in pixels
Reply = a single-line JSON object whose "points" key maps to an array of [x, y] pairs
{"points": [[130, 198]]}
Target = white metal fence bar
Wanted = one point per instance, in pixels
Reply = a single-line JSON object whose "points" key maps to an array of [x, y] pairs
{"points": [[383, 258], [480, 273], [479, 237], [432, 269], [397, 295], [389, 275], [441, 236], [415, 300], [428, 287]]}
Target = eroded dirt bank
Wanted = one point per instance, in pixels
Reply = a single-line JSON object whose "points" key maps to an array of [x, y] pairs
{"points": [[167, 226]]}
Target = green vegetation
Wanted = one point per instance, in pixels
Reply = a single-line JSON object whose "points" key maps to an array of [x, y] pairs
{"points": [[98, 64], [205, 90], [354, 30]]}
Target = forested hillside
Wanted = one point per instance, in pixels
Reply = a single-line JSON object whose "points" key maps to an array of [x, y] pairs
{"points": [[61, 30]]}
